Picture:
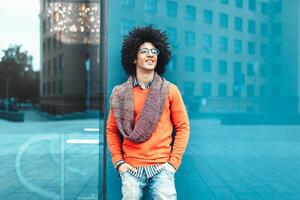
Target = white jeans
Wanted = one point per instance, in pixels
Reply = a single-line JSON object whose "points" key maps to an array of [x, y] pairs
{"points": [[161, 186]]}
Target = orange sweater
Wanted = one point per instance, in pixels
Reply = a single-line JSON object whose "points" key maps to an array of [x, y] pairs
{"points": [[157, 149]]}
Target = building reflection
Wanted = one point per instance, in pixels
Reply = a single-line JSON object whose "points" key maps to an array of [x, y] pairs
{"points": [[70, 41]]}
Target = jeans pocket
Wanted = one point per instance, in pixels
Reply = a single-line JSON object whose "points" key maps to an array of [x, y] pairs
{"points": [[170, 168], [170, 171]]}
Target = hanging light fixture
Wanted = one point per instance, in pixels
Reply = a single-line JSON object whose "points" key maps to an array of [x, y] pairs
{"points": [[75, 21]]}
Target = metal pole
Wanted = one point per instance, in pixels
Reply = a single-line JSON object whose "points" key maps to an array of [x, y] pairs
{"points": [[87, 68], [103, 65], [7, 98]]}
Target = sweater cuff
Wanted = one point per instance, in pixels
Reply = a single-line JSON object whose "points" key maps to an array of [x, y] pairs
{"points": [[118, 164]]}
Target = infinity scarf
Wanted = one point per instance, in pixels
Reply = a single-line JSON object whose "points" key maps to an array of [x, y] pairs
{"points": [[123, 109]]}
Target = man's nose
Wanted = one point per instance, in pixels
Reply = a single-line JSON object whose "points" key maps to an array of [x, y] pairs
{"points": [[150, 53]]}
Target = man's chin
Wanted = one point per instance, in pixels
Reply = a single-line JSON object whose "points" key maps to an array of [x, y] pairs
{"points": [[149, 68]]}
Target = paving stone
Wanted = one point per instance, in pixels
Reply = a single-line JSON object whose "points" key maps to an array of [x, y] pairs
{"points": [[221, 162]]}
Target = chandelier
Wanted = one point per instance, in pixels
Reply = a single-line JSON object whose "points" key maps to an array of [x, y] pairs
{"points": [[75, 21]]}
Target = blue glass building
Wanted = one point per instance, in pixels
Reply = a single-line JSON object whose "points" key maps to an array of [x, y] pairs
{"points": [[228, 55]]}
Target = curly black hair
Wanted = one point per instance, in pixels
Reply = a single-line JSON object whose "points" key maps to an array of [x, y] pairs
{"points": [[135, 39]]}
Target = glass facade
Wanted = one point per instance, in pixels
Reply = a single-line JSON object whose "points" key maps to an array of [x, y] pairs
{"points": [[235, 63]]}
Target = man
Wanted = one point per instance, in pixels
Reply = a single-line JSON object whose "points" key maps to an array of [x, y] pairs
{"points": [[143, 112]]}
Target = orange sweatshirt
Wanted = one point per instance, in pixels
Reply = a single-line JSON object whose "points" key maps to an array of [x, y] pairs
{"points": [[157, 149]]}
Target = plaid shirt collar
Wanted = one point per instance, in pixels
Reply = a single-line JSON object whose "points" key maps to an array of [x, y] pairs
{"points": [[142, 86]]}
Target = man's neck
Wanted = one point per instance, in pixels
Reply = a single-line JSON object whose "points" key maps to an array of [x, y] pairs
{"points": [[144, 77]]}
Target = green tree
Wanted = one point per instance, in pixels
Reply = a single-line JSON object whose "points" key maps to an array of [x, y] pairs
{"points": [[17, 76]]}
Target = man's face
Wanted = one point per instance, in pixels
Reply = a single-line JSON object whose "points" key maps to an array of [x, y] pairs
{"points": [[146, 58]]}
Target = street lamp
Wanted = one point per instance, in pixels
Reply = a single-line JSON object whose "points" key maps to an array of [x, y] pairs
{"points": [[87, 64], [6, 101]]}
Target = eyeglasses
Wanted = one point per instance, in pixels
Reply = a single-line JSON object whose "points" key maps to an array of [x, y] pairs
{"points": [[145, 51]]}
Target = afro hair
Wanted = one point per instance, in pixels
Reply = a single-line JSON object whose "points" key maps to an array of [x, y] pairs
{"points": [[135, 39]]}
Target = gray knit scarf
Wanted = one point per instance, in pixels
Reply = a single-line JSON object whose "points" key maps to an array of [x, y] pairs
{"points": [[123, 109]]}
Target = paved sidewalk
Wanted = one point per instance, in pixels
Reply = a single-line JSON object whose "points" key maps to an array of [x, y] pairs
{"points": [[236, 162], [221, 162]]}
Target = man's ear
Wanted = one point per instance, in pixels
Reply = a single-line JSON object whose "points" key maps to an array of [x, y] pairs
{"points": [[134, 61]]}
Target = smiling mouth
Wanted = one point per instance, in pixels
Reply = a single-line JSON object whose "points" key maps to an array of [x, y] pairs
{"points": [[149, 61]]}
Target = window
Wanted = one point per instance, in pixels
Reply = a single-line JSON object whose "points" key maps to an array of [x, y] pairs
{"points": [[276, 29], [44, 26], [60, 39], [251, 26], [223, 20], [265, 8], [237, 92], [263, 50], [188, 88], [189, 38], [208, 17], [251, 48], [61, 62], [54, 41], [48, 23], [150, 6], [275, 90], [276, 70], [238, 23], [126, 26], [250, 69], [264, 29], [237, 46], [171, 9], [44, 6], [128, 3], [263, 70], [49, 88], [49, 44], [44, 69], [276, 50], [189, 64], [222, 67], [206, 89], [44, 88], [262, 91], [60, 86], [250, 90], [172, 34], [54, 87], [252, 5], [223, 43], [222, 90], [49, 67], [224, 1], [237, 68], [207, 42], [190, 13], [239, 3], [44, 47], [54, 65], [172, 65], [276, 7], [206, 65]]}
